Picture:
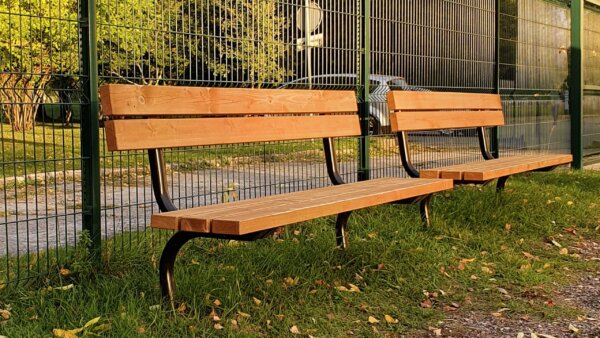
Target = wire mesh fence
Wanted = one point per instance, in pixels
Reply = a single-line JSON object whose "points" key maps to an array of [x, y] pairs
{"points": [[591, 98], [438, 45]]}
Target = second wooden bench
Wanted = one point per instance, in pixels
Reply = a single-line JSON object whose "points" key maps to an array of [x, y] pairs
{"points": [[426, 111]]}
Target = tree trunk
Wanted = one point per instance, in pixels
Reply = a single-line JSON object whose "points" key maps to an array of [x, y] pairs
{"points": [[20, 96]]}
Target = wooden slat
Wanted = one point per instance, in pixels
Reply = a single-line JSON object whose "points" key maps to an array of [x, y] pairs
{"points": [[408, 100], [434, 120], [133, 100], [167, 133], [492, 169], [301, 206]]}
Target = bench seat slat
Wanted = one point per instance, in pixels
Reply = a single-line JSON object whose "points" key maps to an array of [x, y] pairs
{"points": [[492, 169], [166, 133], [243, 217]]}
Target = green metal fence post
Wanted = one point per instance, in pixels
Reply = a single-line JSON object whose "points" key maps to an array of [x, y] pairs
{"points": [[364, 99], [90, 129], [576, 83], [494, 141]]}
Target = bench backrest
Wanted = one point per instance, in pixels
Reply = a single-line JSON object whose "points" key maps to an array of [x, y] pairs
{"points": [[414, 111], [154, 117]]}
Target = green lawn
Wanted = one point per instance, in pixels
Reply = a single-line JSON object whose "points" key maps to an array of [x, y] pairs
{"points": [[484, 252]]}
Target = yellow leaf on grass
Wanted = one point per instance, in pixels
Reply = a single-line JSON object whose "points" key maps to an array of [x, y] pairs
{"points": [[564, 251], [486, 270], [91, 322], [294, 330], [63, 333], [64, 272], [256, 301], [373, 320], [391, 319]]}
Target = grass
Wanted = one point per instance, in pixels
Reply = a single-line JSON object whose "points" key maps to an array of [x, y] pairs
{"points": [[485, 252]]}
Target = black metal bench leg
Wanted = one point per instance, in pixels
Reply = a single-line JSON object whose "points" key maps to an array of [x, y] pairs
{"points": [[167, 261], [501, 183], [341, 229], [424, 209]]}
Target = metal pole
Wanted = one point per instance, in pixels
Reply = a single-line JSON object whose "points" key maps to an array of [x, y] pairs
{"points": [[90, 140], [494, 141], [307, 50], [364, 89], [576, 83]]}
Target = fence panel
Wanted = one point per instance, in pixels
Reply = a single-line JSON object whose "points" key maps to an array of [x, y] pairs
{"points": [[591, 73], [41, 102]]}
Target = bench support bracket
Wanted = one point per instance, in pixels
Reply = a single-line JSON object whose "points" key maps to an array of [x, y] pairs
{"points": [[341, 229], [167, 262], [158, 174], [501, 183], [405, 155]]}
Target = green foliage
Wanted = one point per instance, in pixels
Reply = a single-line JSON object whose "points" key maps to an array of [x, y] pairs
{"points": [[81, 259], [250, 43]]}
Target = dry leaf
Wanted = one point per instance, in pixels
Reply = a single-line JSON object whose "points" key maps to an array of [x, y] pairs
{"points": [[373, 235], [289, 281], [486, 270], [391, 319], [353, 288], [218, 326], [64, 288], [243, 314], [234, 322], [507, 226], [64, 272], [436, 331], [530, 256], [464, 262], [294, 330], [141, 330], [280, 317], [555, 243], [573, 328], [63, 333], [91, 322], [217, 302], [426, 304], [182, 308], [564, 251], [372, 320], [4, 314], [256, 301]]}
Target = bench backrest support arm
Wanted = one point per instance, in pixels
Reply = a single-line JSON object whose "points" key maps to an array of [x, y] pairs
{"points": [[331, 161], [485, 152], [158, 175], [405, 155]]}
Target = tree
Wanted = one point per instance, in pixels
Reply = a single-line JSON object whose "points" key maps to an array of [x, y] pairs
{"points": [[244, 39], [38, 39]]}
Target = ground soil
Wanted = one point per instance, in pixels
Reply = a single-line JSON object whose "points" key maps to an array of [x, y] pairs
{"points": [[582, 294]]}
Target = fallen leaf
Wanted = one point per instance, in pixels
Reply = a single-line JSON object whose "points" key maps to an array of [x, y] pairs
{"points": [[573, 328], [243, 314], [549, 303], [507, 226], [373, 235], [503, 291], [555, 243], [426, 304], [571, 231], [436, 331], [63, 333], [372, 320], [530, 256], [233, 322], [91, 322], [391, 319], [464, 262], [64, 288], [289, 281], [218, 326], [280, 317], [63, 272], [141, 330], [4, 314], [256, 301], [294, 330], [182, 308], [486, 270], [217, 302], [564, 251]]}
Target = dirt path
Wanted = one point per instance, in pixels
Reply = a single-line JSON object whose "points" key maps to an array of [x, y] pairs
{"points": [[582, 295]]}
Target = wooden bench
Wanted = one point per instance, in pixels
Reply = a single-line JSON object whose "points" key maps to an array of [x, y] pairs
{"points": [[153, 118], [424, 111]]}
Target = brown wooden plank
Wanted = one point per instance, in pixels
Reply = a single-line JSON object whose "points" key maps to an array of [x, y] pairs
{"points": [[492, 169], [409, 100], [167, 133], [433, 120], [134, 100], [297, 212], [310, 203]]}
